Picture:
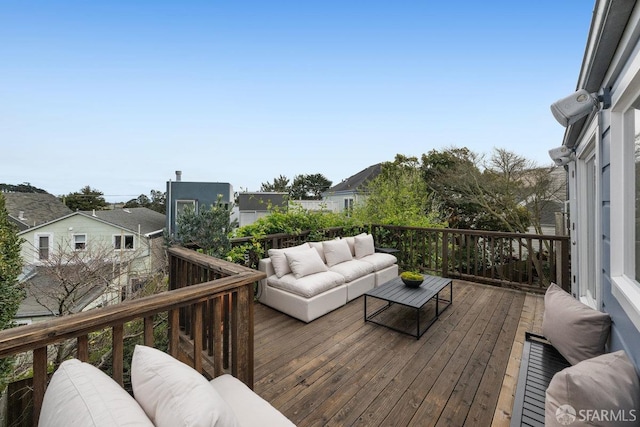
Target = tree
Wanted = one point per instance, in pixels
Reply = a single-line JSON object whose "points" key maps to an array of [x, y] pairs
{"points": [[157, 201], [397, 196], [70, 281], [25, 187], [309, 187], [280, 185], [85, 200], [10, 292], [207, 229]]}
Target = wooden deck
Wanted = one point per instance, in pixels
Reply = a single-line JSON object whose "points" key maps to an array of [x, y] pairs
{"points": [[339, 370]]}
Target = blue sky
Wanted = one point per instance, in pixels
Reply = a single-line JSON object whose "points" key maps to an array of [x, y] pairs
{"points": [[120, 94]]}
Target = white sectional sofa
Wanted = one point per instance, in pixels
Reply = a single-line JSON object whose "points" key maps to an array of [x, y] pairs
{"points": [[312, 279]]}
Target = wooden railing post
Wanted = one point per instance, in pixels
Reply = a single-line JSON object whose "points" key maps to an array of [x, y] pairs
{"points": [[445, 253]]}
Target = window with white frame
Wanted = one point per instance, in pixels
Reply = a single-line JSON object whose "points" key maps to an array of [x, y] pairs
{"points": [[123, 241], [43, 244], [625, 201], [79, 242]]}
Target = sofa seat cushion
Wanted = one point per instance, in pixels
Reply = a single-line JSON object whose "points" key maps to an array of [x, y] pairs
{"points": [[307, 286], [250, 409], [380, 261], [352, 270], [80, 394]]}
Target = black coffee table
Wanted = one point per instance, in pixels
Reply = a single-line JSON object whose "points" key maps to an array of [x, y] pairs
{"points": [[396, 292]]}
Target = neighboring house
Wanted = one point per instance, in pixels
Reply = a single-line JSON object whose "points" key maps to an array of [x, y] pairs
{"points": [[351, 191], [129, 241], [604, 170], [552, 208], [195, 195], [252, 206], [28, 210]]}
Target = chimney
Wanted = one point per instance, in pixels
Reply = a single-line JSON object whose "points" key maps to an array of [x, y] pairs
{"points": [[21, 216], [178, 176]]}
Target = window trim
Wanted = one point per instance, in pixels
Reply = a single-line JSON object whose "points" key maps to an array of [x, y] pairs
{"points": [[133, 245], [73, 236], [624, 288], [587, 152], [36, 239]]}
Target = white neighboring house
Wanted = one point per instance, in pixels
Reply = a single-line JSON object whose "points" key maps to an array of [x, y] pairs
{"points": [[352, 191], [129, 241]]}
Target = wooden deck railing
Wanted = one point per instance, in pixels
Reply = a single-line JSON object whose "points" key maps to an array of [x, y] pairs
{"points": [[209, 307], [522, 261]]}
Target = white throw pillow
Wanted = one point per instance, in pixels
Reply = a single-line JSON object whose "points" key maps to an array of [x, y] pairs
{"points": [[79, 394], [363, 246], [351, 241], [279, 259], [305, 262], [174, 394], [318, 247], [336, 251]]}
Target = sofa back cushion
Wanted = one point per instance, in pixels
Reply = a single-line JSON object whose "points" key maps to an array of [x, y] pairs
{"points": [[336, 251], [174, 394], [351, 241], [279, 260], [80, 394], [318, 247], [305, 262]]}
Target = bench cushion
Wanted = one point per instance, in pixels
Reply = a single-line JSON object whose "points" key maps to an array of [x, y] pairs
{"points": [[307, 286], [576, 330], [608, 384]]}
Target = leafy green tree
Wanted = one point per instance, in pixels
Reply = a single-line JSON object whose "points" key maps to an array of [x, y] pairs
{"points": [[10, 292], [207, 229], [280, 185], [156, 202], [85, 200], [398, 196], [309, 187]]}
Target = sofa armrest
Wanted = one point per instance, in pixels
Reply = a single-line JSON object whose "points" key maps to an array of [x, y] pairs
{"points": [[250, 409]]}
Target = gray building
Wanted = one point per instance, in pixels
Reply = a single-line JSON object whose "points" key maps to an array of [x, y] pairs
{"points": [[196, 195]]}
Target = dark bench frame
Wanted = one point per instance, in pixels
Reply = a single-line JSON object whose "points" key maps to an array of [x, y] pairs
{"points": [[540, 362]]}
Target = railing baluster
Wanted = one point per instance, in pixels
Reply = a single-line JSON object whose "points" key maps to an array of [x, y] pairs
{"points": [[117, 354], [83, 348], [39, 380]]}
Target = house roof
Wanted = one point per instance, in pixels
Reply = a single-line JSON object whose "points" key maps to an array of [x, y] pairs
{"points": [[355, 182], [36, 208], [148, 221], [39, 302], [143, 220], [610, 18]]}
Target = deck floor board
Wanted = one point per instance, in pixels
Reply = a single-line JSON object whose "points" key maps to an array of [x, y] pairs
{"points": [[340, 371]]}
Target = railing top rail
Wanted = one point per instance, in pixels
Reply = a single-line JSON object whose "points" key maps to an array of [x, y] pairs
{"points": [[29, 337], [478, 232], [209, 262]]}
